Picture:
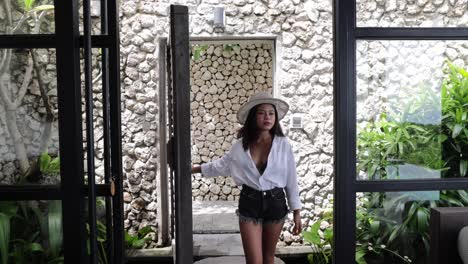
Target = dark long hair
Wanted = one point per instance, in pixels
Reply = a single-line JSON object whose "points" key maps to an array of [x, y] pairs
{"points": [[249, 132]]}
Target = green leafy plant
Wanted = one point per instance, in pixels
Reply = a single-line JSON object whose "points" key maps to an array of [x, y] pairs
{"points": [[454, 95], [32, 234], [101, 242], [7, 211], [49, 165], [138, 240], [321, 246], [198, 50], [369, 246], [426, 133]]}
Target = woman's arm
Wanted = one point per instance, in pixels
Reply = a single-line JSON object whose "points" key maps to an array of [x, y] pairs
{"points": [[292, 189]]}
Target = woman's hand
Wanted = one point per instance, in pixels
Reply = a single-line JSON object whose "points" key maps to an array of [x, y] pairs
{"points": [[297, 222], [196, 169]]}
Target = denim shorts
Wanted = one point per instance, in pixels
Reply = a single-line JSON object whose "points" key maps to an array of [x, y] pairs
{"points": [[262, 206]]}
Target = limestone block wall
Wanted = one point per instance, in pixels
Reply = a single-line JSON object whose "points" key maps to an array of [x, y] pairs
{"points": [[222, 80], [303, 73]]}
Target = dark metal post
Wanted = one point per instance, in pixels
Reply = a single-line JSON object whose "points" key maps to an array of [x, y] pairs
{"points": [[70, 130], [90, 131], [115, 129], [183, 180], [345, 132], [106, 126]]}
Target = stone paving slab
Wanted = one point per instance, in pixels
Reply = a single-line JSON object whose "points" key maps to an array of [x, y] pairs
{"points": [[217, 245], [215, 217], [229, 260]]}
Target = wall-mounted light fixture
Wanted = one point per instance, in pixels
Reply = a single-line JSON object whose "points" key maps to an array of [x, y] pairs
{"points": [[219, 16]]}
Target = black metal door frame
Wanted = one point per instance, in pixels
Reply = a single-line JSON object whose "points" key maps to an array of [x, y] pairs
{"points": [[72, 191], [179, 146], [346, 33]]}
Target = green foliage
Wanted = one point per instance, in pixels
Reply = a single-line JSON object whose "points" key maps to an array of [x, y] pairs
{"points": [[55, 228], [198, 50], [101, 242], [7, 211], [455, 120], [138, 240], [369, 246], [47, 165], [322, 247], [413, 132], [427, 133], [30, 232], [30, 6], [26, 4]]}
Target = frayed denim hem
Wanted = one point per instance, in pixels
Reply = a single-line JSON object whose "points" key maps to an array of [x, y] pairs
{"points": [[260, 221], [276, 221]]}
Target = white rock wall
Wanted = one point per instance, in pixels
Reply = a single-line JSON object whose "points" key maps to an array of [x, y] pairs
{"points": [[221, 81], [412, 13], [304, 73]]}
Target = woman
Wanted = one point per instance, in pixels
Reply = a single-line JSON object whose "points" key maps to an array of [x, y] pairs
{"points": [[262, 161]]}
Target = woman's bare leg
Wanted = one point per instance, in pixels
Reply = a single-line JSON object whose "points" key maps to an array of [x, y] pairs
{"points": [[271, 233], [252, 242]]}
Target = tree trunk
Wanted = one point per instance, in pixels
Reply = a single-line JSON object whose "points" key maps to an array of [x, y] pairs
{"points": [[17, 138]]}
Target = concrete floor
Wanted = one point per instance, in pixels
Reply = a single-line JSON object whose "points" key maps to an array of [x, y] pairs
{"points": [[229, 260], [216, 236]]}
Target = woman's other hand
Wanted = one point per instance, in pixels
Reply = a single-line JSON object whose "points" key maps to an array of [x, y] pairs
{"points": [[297, 223]]}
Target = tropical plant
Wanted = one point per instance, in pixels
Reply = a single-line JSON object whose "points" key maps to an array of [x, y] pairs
{"points": [[322, 247], [31, 232], [428, 132], [49, 165], [198, 50], [369, 247], [101, 242], [454, 95], [138, 240]]}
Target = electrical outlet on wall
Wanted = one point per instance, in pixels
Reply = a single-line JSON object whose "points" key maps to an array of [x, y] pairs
{"points": [[296, 121]]}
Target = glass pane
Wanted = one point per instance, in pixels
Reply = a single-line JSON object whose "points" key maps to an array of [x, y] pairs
{"points": [[223, 76], [394, 227], [27, 17], [29, 141], [32, 232], [392, 13], [411, 109]]}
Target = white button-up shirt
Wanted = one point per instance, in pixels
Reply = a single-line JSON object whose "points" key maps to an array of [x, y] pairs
{"points": [[280, 171]]}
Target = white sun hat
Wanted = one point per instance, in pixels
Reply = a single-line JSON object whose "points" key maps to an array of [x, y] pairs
{"points": [[262, 98]]}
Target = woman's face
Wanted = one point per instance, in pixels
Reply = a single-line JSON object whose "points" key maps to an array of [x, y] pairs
{"points": [[265, 117]]}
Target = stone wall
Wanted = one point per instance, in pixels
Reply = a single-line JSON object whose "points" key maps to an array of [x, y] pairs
{"points": [[221, 81], [303, 32]]}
